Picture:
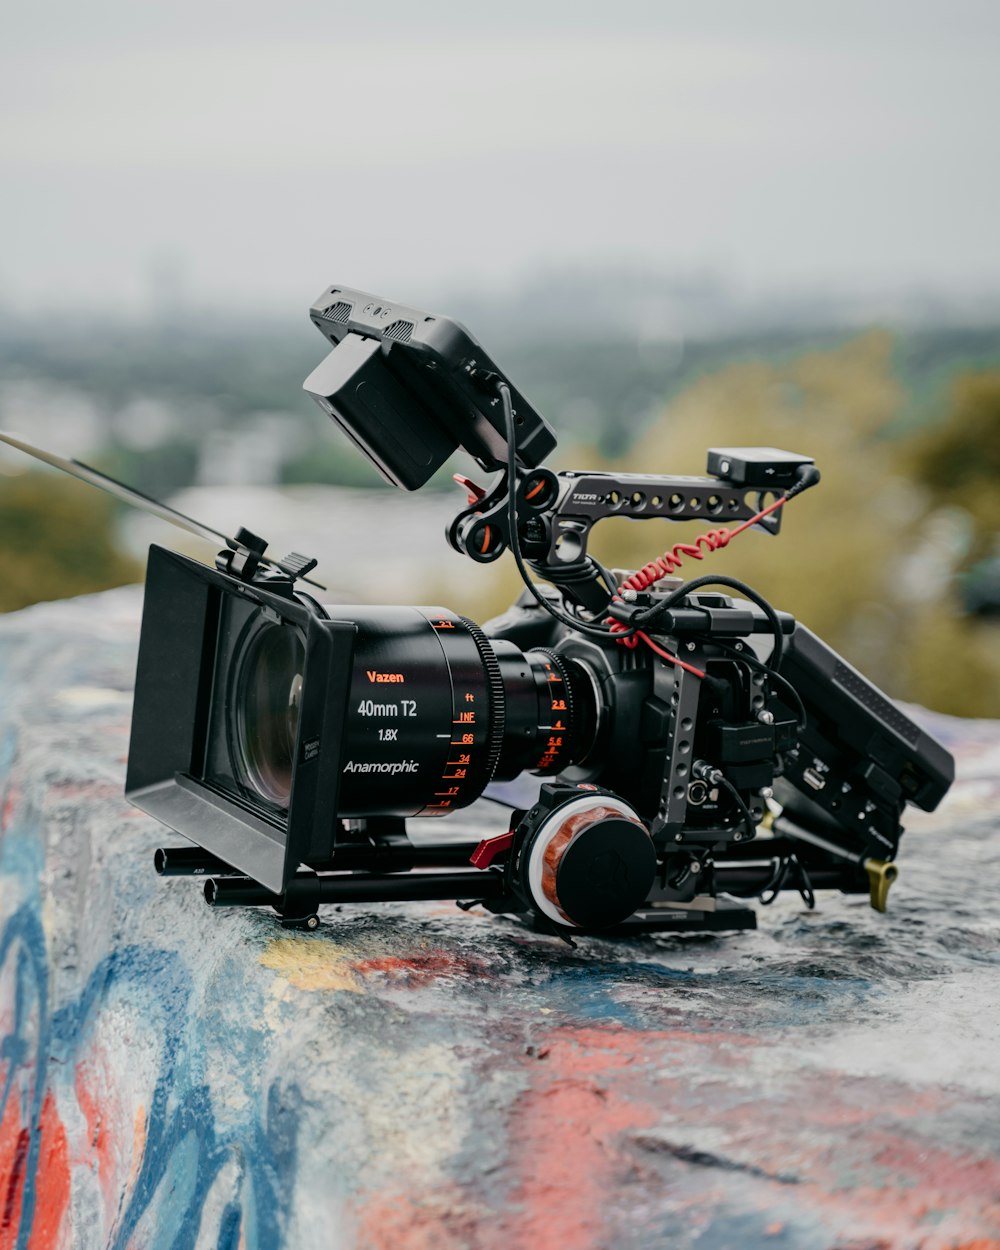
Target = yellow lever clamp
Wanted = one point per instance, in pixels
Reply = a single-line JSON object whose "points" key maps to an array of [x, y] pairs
{"points": [[880, 877]]}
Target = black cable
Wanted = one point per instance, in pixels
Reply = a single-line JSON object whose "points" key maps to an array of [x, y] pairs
{"points": [[770, 892], [723, 780], [805, 885], [610, 581], [748, 655], [778, 879], [595, 631], [717, 579]]}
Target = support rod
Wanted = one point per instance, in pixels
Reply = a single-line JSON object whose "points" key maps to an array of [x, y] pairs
{"points": [[307, 888]]}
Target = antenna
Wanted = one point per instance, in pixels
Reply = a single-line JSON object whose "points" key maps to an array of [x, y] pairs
{"points": [[129, 495]]}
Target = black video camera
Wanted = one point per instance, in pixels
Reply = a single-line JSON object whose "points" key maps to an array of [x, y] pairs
{"points": [[692, 746]]}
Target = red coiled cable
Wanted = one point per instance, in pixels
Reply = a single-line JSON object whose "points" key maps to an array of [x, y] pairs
{"points": [[670, 562]]}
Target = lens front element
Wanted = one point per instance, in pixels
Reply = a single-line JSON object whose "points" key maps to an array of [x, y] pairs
{"points": [[268, 695]]}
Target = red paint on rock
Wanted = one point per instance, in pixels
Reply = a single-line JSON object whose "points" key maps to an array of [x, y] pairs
{"points": [[14, 1142], [415, 1220], [9, 806], [99, 1147], [51, 1177], [423, 969], [565, 1137], [92, 791]]}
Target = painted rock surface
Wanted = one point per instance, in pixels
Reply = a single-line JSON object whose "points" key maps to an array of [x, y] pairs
{"points": [[414, 1076]]}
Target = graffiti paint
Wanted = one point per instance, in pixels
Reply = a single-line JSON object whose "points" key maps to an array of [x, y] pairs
{"points": [[419, 1078]]}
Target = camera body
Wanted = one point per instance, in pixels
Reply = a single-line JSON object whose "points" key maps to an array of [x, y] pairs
{"points": [[291, 741]]}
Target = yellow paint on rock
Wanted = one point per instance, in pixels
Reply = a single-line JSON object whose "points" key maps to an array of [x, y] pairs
{"points": [[311, 965]]}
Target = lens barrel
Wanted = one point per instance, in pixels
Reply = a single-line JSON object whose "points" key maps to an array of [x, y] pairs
{"points": [[435, 712], [551, 713], [424, 720]]}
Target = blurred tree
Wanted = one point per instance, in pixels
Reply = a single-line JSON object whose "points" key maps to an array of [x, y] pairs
{"points": [[859, 559], [57, 541], [959, 459]]}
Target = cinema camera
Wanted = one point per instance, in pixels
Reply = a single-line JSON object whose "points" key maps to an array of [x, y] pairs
{"points": [[694, 746]]}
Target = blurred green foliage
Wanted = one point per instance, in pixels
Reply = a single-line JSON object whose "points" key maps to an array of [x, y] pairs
{"points": [[959, 458], [904, 426], [866, 559], [56, 540]]}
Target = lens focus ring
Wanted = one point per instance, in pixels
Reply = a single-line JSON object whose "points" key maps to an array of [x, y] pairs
{"points": [[494, 681]]}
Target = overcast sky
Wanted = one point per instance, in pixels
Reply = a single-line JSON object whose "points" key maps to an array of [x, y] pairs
{"points": [[259, 151]]}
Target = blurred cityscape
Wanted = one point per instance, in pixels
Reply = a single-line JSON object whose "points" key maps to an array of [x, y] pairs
{"points": [[894, 559]]}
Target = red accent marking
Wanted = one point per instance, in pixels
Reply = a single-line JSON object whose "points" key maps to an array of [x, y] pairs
{"points": [[487, 850], [539, 485], [474, 493], [486, 540]]}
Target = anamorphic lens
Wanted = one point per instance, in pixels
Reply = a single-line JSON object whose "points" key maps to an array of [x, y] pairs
{"points": [[433, 712], [437, 711], [268, 693]]}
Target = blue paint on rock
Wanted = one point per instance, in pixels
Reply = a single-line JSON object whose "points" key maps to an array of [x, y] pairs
{"points": [[414, 1075]]}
